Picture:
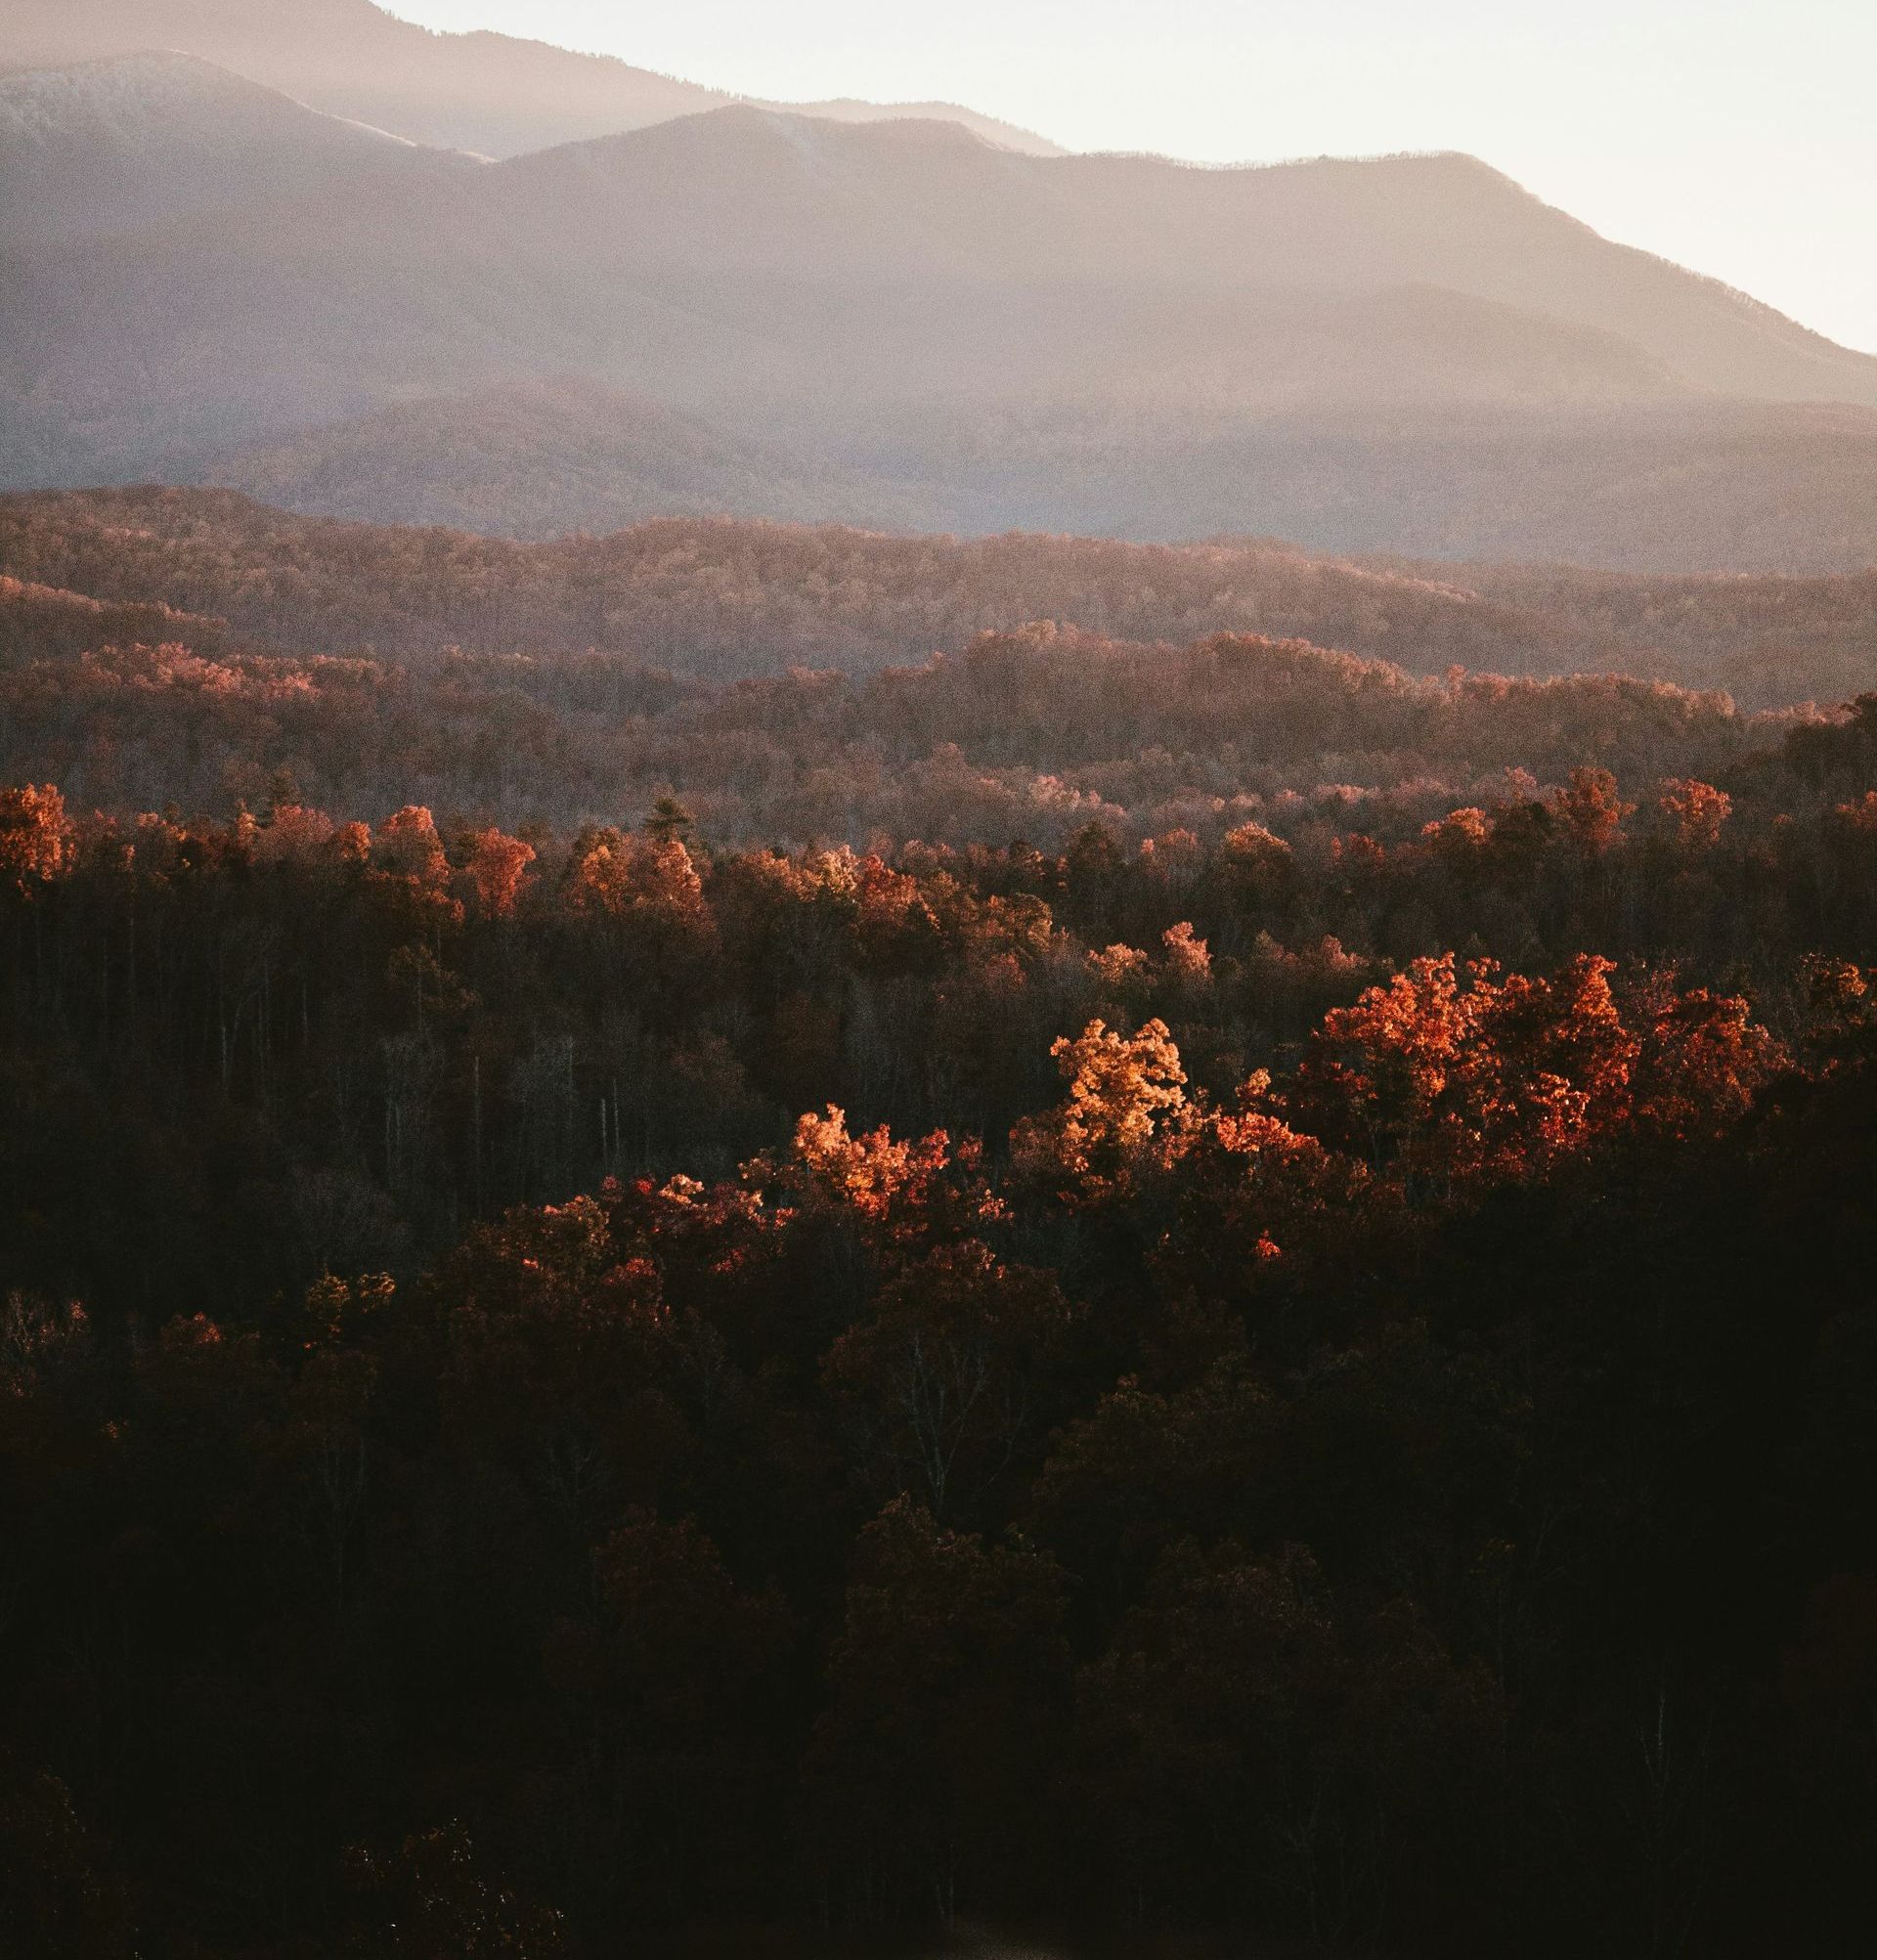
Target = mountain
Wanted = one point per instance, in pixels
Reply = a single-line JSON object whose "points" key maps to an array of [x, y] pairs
{"points": [[991, 129], [895, 323], [716, 198], [1693, 485], [117, 145], [491, 94], [1623, 481], [533, 460]]}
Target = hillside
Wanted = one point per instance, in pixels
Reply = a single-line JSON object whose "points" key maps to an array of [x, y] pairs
{"points": [[38, 622], [533, 460], [723, 599], [1649, 487], [751, 191], [914, 1049], [563, 684], [715, 598], [891, 323], [114, 146], [492, 94]]}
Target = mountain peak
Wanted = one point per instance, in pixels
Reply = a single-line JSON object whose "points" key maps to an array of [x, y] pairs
{"points": [[152, 84], [125, 140], [491, 94], [146, 75]]}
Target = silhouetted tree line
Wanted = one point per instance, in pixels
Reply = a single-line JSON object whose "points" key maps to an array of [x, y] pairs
{"points": [[1271, 1394]]}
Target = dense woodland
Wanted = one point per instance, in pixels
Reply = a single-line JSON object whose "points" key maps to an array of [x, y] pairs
{"points": [[720, 600], [1111, 1287]]}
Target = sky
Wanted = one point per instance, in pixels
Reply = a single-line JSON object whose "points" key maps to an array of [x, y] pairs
{"points": [[1738, 137]]}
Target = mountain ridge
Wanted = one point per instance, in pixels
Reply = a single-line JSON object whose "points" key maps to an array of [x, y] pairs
{"points": [[1405, 353], [491, 94], [126, 142]]}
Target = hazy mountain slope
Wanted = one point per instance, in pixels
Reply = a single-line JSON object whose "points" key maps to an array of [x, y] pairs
{"points": [[164, 348], [533, 460], [979, 339], [1696, 486], [1779, 489], [671, 270], [800, 257], [490, 93], [742, 191], [117, 145], [991, 129]]}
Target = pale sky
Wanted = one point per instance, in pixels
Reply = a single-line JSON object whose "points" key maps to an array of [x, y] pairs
{"points": [[1736, 136]]}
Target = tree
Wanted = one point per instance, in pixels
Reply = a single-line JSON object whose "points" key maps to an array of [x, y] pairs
{"points": [[930, 1769], [1592, 810], [497, 869], [37, 838], [1125, 1118], [946, 1367], [557, 1352], [1697, 811], [670, 822]]}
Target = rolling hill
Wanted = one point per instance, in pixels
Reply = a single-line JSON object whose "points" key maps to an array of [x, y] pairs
{"points": [[535, 459], [720, 600]]}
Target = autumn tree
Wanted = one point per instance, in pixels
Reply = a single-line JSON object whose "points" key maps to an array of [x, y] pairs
{"points": [[36, 837], [556, 1349], [1695, 811], [498, 868], [1125, 1118]]}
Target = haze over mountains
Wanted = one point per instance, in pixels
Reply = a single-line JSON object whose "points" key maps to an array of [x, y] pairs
{"points": [[108, 146], [491, 94], [721, 307]]}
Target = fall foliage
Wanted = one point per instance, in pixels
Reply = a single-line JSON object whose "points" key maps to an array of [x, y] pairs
{"points": [[1130, 1288]]}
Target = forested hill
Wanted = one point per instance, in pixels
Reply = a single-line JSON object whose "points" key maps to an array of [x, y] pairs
{"points": [[721, 599]]}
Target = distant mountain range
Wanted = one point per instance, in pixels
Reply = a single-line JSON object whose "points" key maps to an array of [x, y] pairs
{"points": [[492, 95], [212, 276]]}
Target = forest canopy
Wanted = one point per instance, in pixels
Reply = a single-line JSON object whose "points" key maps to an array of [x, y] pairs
{"points": [[1180, 1285]]}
